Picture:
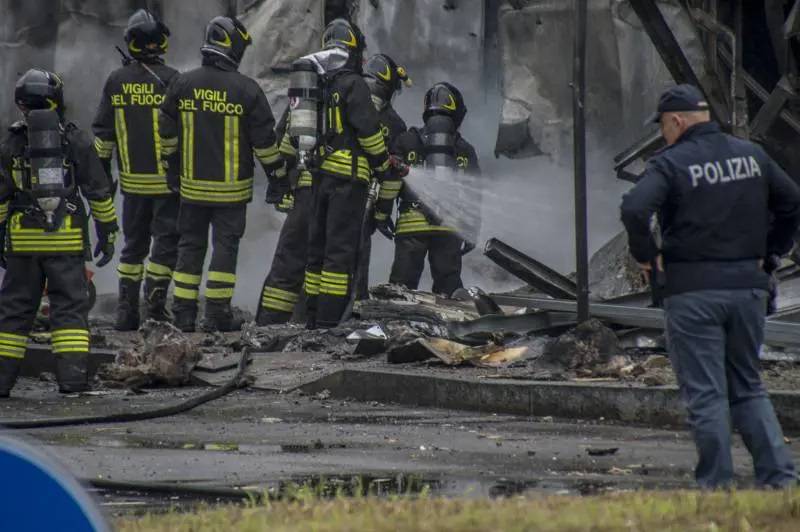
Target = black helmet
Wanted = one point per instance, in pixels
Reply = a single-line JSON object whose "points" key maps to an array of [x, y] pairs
{"points": [[384, 77], [226, 37], [39, 89], [444, 99], [346, 36], [146, 36]]}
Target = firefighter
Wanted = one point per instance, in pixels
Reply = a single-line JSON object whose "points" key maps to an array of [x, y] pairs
{"points": [[419, 231], [385, 79], [46, 165], [213, 121], [283, 285], [127, 119], [352, 151]]}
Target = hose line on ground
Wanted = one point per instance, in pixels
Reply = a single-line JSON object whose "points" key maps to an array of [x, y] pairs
{"points": [[175, 489], [237, 381]]}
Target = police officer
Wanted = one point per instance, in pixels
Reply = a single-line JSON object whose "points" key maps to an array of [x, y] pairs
{"points": [[385, 79], [726, 209], [127, 119], [46, 165], [419, 231], [353, 151], [213, 121]]}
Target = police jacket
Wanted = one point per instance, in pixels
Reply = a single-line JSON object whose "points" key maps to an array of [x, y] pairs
{"points": [[353, 147], [127, 119], [410, 146], [26, 232], [213, 121], [723, 204]]}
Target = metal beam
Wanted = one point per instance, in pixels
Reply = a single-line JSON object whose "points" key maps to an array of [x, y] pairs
{"points": [[776, 332], [579, 157], [530, 270]]}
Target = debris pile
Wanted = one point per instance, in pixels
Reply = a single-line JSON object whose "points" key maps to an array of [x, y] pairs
{"points": [[165, 356]]}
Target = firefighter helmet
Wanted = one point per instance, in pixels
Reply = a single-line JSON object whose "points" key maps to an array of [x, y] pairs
{"points": [[341, 33], [39, 89], [226, 37], [444, 99], [146, 36], [385, 77]]}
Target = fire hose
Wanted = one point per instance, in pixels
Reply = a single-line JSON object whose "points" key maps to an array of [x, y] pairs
{"points": [[238, 381]]}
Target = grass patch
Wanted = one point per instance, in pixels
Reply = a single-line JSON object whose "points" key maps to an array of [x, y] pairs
{"points": [[637, 511]]}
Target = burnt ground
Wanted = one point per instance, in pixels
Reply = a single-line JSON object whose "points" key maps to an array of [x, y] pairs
{"points": [[267, 440]]}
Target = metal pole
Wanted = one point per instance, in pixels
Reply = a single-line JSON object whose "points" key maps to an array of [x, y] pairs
{"points": [[739, 118], [579, 147]]}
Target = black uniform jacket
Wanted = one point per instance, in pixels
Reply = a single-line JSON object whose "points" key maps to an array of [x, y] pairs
{"points": [[213, 121], [723, 204], [26, 232], [127, 119]]}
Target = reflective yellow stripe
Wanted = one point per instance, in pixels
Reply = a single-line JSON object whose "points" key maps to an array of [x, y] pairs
{"points": [[381, 216], [286, 147], [271, 303], [414, 221], [144, 184], [311, 283], [235, 140], [12, 345], [270, 155], [222, 277], [169, 145], [226, 145], [69, 332], [339, 127], [156, 137], [158, 271], [187, 128], [284, 295], [187, 278], [3, 212], [122, 138], [185, 293], [103, 210], [104, 148], [305, 179], [133, 272], [219, 293]]}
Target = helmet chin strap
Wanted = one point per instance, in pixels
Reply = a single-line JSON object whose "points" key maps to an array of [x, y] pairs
{"points": [[220, 54]]}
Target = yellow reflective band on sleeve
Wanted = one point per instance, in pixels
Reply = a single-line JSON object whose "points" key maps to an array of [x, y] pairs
{"points": [[133, 272], [187, 278], [185, 293], [305, 179], [374, 144], [219, 293], [311, 284], [222, 277], [158, 272], [269, 155], [384, 166], [286, 147], [3, 213], [103, 210], [104, 148], [121, 128], [187, 150], [12, 345], [390, 190]]}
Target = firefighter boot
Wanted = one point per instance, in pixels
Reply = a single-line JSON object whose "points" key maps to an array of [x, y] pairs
{"points": [[271, 317], [9, 371], [128, 306], [155, 297], [184, 316], [72, 373], [219, 317]]}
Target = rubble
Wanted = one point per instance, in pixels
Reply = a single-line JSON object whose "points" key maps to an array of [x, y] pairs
{"points": [[166, 356]]}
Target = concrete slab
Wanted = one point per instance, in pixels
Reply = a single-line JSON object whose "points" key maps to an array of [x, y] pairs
{"points": [[652, 406]]}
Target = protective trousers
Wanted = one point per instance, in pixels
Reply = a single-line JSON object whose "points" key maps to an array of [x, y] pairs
{"points": [[150, 227], [284, 282], [444, 256], [21, 293], [362, 290], [227, 225], [714, 339], [333, 246]]}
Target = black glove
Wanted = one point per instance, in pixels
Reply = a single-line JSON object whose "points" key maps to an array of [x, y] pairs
{"points": [[276, 189], [105, 245], [286, 204], [385, 227], [399, 168], [771, 265], [466, 247], [3, 245]]}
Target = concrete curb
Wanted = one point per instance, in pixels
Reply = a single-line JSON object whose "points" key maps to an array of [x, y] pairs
{"points": [[652, 406]]}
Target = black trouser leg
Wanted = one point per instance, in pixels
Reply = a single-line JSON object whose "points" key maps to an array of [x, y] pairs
{"points": [[444, 256], [409, 260], [68, 292], [163, 255], [137, 211], [20, 294], [364, 253], [316, 248], [282, 286], [342, 233], [193, 223], [227, 229]]}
